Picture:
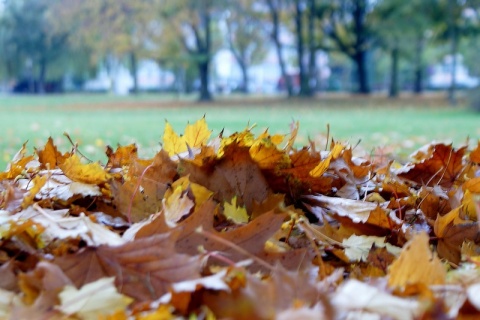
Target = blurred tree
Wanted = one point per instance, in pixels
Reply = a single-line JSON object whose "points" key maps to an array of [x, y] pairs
{"points": [[29, 43], [305, 51], [191, 22], [112, 29], [455, 20], [276, 11], [346, 24], [399, 38], [245, 37]]}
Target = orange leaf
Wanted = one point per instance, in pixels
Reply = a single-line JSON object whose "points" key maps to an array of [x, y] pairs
{"points": [[475, 154], [472, 185], [123, 156], [50, 157]]}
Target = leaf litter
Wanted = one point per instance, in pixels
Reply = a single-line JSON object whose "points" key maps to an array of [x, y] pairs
{"points": [[240, 227]]}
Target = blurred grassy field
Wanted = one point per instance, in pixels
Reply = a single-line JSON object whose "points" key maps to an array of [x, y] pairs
{"points": [[95, 121]]}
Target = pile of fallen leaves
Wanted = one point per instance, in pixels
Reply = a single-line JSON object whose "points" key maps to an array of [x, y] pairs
{"points": [[240, 227]]}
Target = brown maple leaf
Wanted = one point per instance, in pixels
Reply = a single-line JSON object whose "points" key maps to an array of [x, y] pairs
{"points": [[442, 166], [142, 191], [143, 269], [235, 174], [452, 232], [296, 180]]}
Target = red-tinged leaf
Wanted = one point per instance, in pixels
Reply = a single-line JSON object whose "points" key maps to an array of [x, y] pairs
{"points": [[442, 167], [143, 269]]}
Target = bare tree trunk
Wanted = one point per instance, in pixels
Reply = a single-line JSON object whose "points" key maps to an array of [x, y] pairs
{"points": [[393, 91], [42, 75], [203, 69], [204, 49], [134, 69], [303, 74], [453, 85], [418, 76], [275, 35], [360, 56], [360, 59], [312, 59]]}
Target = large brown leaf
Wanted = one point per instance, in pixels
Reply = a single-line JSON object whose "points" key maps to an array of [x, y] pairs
{"points": [[235, 174], [142, 191], [143, 269], [442, 167]]}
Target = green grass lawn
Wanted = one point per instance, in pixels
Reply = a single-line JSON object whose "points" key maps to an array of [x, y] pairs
{"points": [[95, 121]]}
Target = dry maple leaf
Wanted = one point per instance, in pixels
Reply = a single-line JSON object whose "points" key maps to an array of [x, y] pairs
{"points": [[91, 173], [93, 300], [195, 136], [123, 156], [406, 271], [452, 232], [40, 288], [475, 154], [296, 180], [142, 191], [443, 166], [50, 158], [265, 299], [322, 167], [235, 174], [143, 269]]}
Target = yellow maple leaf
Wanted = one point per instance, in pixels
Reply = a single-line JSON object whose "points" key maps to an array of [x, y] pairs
{"points": [[91, 173], [236, 214], [417, 265], [195, 135], [267, 155], [322, 167]]}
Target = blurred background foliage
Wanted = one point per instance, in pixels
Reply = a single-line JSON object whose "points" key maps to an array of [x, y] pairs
{"points": [[295, 47]]}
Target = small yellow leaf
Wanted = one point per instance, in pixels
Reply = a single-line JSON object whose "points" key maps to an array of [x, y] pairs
{"points": [[236, 214], [91, 173], [322, 167]]}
